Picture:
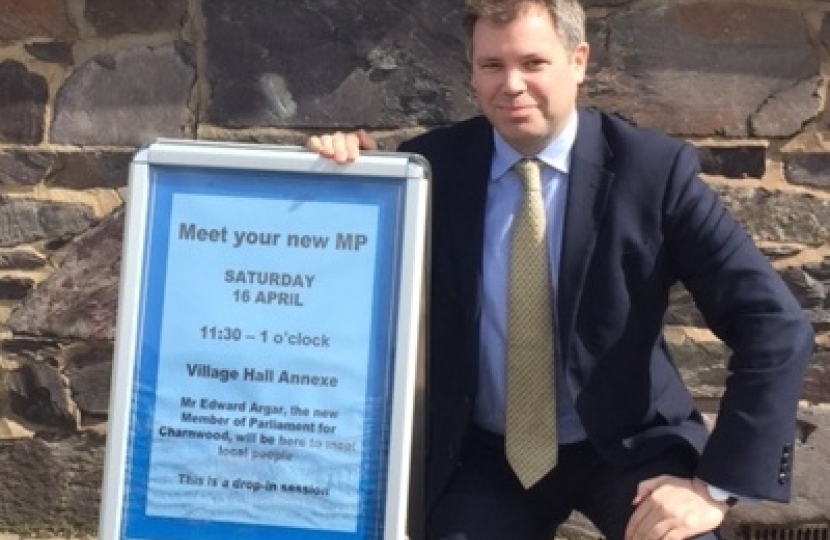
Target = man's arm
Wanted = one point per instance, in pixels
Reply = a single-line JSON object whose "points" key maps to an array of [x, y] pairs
{"points": [[747, 305]]}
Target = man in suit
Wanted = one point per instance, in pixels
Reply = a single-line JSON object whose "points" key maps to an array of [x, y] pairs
{"points": [[626, 218]]}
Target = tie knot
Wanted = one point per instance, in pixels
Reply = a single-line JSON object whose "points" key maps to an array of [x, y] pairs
{"points": [[529, 173]]}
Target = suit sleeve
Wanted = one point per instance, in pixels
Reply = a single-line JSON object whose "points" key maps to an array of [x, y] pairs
{"points": [[747, 305]]}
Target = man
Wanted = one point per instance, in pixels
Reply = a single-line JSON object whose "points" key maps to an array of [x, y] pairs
{"points": [[626, 217]]}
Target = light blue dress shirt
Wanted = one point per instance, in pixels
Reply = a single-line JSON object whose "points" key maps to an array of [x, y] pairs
{"points": [[504, 195]]}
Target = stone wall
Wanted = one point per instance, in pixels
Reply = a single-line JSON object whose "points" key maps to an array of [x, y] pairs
{"points": [[83, 83]]}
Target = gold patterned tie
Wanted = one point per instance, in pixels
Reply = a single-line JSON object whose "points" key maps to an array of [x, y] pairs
{"points": [[530, 430]]}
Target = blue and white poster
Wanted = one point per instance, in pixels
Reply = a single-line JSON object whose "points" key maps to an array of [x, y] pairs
{"points": [[266, 324]]}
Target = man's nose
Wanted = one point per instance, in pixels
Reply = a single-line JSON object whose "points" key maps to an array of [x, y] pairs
{"points": [[514, 81]]}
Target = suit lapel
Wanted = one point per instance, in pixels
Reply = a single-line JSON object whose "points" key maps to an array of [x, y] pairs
{"points": [[467, 177], [589, 186], [469, 197]]}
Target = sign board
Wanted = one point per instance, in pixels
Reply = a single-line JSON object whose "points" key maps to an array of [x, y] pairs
{"points": [[265, 345]]}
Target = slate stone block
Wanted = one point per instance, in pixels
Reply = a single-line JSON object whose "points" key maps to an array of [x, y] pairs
{"points": [[710, 68], [51, 485], [125, 99], [15, 288], [809, 291], [817, 381], [808, 169], [24, 221], [56, 52], [327, 64], [113, 17], [91, 390], [734, 162], [23, 168], [22, 19], [820, 270], [776, 252], [79, 299], [21, 260], [23, 98], [85, 170], [780, 217], [37, 394]]}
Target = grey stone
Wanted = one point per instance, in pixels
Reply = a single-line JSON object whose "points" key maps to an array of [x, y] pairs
{"points": [[23, 98], [85, 170], [112, 17], [24, 221], [780, 217], [57, 52], [88, 354], [734, 162], [88, 367], [780, 252], [23, 19], [21, 168], [37, 393], [327, 64], [819, 318], [702, 364], [21, 260], [808, 169], [79, 299], [820, 270], [32, 348], [682, 310], [710, 68], [817, 378], [786, 112], [91, 390], [58, 243], [14, 288], [51, 485], [597, 34], [125, 99], [809, 292], [825, 32]]}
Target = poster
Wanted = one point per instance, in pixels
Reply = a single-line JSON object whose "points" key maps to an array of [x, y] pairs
{"points": [[267, 320]]}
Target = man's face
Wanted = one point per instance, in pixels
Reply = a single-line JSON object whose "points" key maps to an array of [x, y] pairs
{"points": [[524, 78]]}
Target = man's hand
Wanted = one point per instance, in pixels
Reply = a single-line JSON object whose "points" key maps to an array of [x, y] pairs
{"points": [[341, 147], [672, 508]]}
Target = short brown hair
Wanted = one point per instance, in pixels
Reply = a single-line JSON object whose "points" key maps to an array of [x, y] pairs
{"points": [[568, 16]]}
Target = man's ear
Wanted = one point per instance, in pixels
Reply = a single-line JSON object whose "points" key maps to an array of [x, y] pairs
{"points": [[579, 60]]}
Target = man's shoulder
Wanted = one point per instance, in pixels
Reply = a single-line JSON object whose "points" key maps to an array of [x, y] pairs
{"points": [[621, 133], [446, 137]]}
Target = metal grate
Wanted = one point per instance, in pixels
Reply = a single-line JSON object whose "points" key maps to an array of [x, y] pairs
{"points": [[804, 531]]}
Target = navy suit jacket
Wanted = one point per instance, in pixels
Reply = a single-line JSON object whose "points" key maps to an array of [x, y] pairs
{"points": [[638, 220]]}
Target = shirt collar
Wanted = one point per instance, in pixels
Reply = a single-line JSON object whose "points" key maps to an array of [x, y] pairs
{"points": [[557, 154]]}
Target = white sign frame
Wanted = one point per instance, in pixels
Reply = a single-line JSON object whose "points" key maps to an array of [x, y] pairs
{"points": [[409, 173]]}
